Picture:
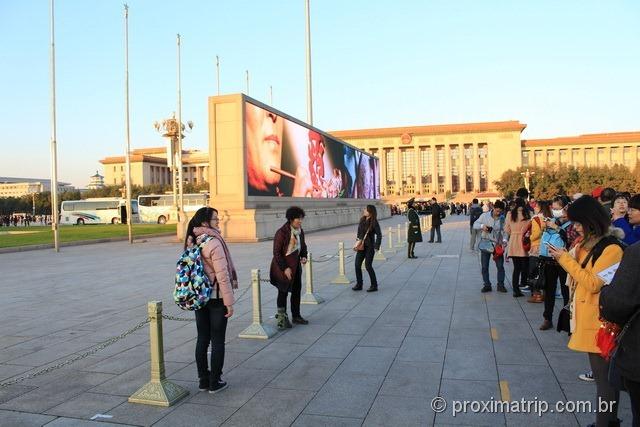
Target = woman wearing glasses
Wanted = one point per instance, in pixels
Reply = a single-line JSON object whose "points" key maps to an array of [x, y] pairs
{"points": [[211, 320]]}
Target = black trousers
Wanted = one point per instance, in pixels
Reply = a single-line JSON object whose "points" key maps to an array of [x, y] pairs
{"points": [[533, 266], [411, 246], [212, 327], [605, 391], [296, 288], [520, 271], [633, 387], [553, 272], [435, 229], [367, 257]]}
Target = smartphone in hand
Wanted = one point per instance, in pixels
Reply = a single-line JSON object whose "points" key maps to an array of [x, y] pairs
{"points": [[551, 246]]}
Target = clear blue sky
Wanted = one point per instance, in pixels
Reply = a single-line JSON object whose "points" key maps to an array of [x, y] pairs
{"points": [[561, 67]]}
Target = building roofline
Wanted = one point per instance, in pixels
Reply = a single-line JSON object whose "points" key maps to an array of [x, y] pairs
{"points": [[593, 138], [188, 158], [512, 125]]}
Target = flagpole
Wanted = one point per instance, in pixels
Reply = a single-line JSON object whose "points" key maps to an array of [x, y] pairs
{"points": [[54, 149], [128, 136], [218, 73], [181, 229], [308, 44]]}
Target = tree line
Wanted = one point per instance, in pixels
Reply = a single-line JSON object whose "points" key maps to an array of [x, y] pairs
{"points": [[545, 183], [42, 201]]}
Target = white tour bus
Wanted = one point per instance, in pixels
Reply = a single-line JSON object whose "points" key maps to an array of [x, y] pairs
{"points": [[157, 208], [107, 210]]}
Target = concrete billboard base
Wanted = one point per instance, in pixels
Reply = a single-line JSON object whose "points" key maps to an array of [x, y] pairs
{"points": [[255, 225]]}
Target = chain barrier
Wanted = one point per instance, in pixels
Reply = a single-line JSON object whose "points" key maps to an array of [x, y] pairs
{"points": [[77, 357], [178, 319]]}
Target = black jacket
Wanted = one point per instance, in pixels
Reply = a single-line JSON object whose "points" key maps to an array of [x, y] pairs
{"points": [[618, 302], [436, 211], [375, 232], [414, 233]]}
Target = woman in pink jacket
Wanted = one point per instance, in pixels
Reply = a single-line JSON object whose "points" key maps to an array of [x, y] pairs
{"points": [[211, 320]]}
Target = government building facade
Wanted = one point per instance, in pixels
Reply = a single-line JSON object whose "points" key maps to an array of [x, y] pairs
{"points": [[149, 167], [466, 159]]}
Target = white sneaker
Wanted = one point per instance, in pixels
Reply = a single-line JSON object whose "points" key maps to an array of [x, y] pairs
{"points": [[588, 377]]}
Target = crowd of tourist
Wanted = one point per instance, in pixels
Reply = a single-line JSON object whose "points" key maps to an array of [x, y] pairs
{"points": [[24, 220], [585, 244]]}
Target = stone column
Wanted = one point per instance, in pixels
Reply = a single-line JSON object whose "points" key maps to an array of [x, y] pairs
{"points": [[462, 170], [383, 170], [418, 166], [476, 167], [397, 176], [447, 168], [434, 167]]}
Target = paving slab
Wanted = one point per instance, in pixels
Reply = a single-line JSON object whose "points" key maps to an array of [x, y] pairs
{"points": [[306, 373], [23, 419], [346, 395]]}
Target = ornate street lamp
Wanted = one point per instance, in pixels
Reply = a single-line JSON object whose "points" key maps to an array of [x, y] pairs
{"points": [[168, 128]]}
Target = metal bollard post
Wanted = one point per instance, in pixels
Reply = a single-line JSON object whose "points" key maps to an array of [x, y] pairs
{"points": [[400, 243], [159, 391], [379, 256], [257, 329], [341, 279], [309, 297], [390, 249]]}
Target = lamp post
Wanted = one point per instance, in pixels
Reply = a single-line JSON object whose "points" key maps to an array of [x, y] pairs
{"points": [[527, 175], [168, 128]]}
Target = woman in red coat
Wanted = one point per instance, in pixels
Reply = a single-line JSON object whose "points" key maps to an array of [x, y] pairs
{"points": [[289, 254]]}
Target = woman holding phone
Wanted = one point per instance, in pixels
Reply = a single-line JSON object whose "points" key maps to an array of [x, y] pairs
{"points": [[596, 252]]}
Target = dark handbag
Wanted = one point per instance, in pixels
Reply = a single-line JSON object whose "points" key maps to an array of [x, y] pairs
{"points": [[564, 320], [614, 376]]}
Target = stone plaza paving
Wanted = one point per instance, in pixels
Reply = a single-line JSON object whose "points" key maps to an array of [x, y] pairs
{"points": [[364, 359]]}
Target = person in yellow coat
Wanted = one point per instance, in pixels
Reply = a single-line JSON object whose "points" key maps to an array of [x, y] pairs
{"points": [[597, 252]]}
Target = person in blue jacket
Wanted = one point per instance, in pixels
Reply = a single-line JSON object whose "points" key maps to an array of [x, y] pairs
{"points": [[625, 214]]}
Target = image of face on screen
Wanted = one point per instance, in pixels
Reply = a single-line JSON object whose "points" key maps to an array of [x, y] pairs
{"points": [[264, 131], [287, 159]]}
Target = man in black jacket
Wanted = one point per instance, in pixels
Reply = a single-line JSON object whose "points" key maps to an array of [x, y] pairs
{"points": [[619, 302], [436, 220]]}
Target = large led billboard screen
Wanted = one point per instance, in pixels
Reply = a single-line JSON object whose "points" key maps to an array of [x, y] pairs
{"points": [[286, 159]]}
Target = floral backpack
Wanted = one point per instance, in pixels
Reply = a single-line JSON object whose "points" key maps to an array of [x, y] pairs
{"points": [[192, 288]]}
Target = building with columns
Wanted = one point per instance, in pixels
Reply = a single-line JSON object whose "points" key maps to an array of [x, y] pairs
{"points": [[600, 149], [465, 159], [149, 167], [440, 159]]}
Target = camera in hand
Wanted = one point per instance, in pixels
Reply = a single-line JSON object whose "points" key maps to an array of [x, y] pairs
{"points": [[489, 229]]}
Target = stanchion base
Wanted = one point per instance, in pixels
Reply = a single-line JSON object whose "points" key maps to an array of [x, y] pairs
{"points": [[159, 393], [380, 256], [258, 331], [311, 298], [341, 280]]}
